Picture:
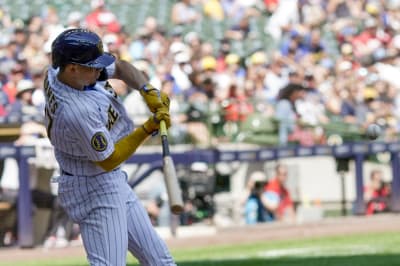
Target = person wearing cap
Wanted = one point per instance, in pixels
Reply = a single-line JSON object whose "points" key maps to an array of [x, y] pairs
{"points": [[232, 61], [23, 109], [254, 211], [92, 136], [208, 63], [214, 10]]}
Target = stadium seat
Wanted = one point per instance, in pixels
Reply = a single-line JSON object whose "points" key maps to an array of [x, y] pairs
{"points": [[259, 129], [347, 131]]}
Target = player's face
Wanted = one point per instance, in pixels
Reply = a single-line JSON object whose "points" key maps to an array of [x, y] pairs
{"points": [[88, 75], [78, 76]]}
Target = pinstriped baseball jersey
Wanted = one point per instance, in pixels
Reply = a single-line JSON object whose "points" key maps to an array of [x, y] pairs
{"points": [[83, 125]]}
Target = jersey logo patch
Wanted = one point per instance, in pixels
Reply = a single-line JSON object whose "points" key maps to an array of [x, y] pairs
{"points": [[99, 142]]}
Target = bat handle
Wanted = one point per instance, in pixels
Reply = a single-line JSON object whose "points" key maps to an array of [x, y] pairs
{"points": [[163, 128], [164, 138]]}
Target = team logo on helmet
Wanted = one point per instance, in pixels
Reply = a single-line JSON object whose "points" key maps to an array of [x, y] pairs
{"points": [[99, 142]]}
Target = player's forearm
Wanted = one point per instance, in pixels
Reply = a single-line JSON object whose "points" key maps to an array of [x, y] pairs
{"points": [[132, 76], [124, 148]]}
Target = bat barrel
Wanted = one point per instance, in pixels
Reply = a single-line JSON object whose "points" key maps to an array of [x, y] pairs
{"points": [[171, 180]]}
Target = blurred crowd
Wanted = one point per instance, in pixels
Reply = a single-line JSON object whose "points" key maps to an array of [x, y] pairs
{"points": [[333, 61]]}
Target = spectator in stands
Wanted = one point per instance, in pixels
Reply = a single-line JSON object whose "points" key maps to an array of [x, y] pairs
{"points": [[229, 70], [376, 193], [240, 30], [338, 9], [23, 109], [75, 19], [52, 25], [197, 112], [312, 13], [235, 10], [276, 197], [285, 15], [290, 129], [138, 45], [184, 13], [3, 103], [102, 20], [352, 108], [238, 107], [234, 68], [275, 78], [254, 211], [371, 41], [214, 10], [312, 108], [271, 5], [195, 42], [10, 88]]}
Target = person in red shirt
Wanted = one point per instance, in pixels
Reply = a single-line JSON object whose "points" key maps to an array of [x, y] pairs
{"points": [[237, 107], [102, 18], [276, 197], [10, 88], [271, 5], [376, 194]]}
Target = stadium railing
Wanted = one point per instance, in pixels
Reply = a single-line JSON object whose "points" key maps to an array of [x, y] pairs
{"points": [[225, 153]]}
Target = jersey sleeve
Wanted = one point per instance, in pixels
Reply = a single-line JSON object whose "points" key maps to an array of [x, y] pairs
{"points": [[111, 70], [107, 73], [91, 134]]}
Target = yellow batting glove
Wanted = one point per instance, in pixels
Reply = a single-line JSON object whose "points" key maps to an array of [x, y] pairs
{"points": [[152, 125], [154, 98]]}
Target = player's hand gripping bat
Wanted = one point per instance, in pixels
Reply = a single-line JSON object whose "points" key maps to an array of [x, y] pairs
{"points": [[170, 178]]}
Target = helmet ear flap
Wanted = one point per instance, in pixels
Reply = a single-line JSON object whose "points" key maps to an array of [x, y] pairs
{"points": [[54, 61], [58, 59], [56, 56]]}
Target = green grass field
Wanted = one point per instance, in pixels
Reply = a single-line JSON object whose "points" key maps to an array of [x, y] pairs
{"points": [[351, 250]]}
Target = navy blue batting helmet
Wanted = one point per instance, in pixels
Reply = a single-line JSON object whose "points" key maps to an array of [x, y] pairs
{"points": [[79, 46]]}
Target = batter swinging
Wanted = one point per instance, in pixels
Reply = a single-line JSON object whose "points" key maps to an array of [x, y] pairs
{"points": [[92, 136]]}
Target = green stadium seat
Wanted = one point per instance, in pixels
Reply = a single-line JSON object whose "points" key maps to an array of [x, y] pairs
{"points": [[347, 131], [259, 129]]}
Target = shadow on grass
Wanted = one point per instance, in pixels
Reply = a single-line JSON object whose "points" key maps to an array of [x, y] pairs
{"points": [[359, 260]]}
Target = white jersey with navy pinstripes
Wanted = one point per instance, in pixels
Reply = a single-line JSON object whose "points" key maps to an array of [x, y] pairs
{"points": [[83, 125]]}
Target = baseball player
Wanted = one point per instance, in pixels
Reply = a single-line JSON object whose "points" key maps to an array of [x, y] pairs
{"points": [[92, 135]]}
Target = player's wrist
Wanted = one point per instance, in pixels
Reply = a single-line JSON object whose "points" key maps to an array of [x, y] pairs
{"points": [[146, 87], [147, 131], [150, 127]]}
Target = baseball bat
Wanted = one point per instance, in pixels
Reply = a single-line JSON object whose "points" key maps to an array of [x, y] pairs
{"points": [[170, 178]]}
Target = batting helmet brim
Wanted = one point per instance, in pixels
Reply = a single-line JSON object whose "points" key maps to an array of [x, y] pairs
{"points": [[102, 61]]}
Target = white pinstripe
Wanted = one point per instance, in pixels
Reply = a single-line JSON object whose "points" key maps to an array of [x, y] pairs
{"points": [[111, 218]]}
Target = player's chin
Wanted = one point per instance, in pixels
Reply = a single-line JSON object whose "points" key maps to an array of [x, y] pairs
{"points": [[92, 81]]}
